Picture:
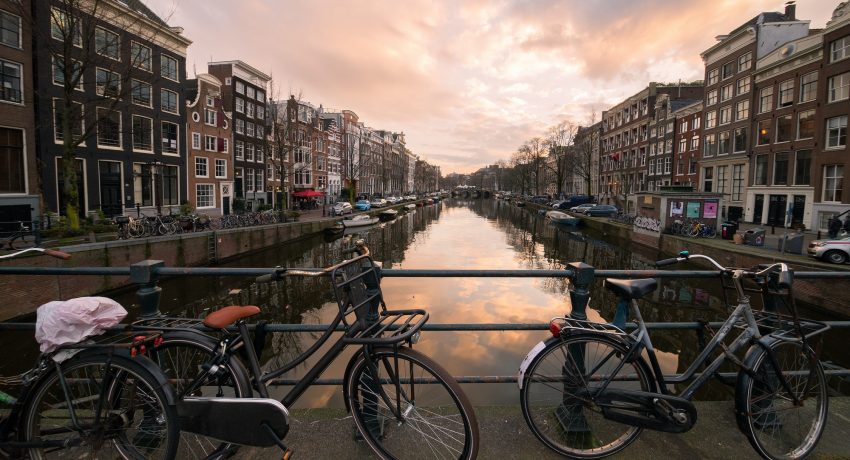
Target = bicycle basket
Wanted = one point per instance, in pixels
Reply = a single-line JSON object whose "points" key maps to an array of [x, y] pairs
{"points": [[357, 287]]}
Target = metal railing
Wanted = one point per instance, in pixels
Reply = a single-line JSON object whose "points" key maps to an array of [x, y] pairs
{"points": [[145, 276]]}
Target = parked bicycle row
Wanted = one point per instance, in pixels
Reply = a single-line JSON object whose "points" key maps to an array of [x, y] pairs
{"points": [[164, 388], [146, 226], [693, 228]]}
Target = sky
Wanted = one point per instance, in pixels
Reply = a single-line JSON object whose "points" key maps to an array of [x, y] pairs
{"points": [[466, 81]]}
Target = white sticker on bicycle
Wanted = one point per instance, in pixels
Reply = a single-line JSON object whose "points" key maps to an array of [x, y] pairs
{"points": [[527, 361]]}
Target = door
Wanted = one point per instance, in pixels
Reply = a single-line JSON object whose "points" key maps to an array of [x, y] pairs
{"points": [[797, 210], [758, 208], [110, 188], [776, 210]]}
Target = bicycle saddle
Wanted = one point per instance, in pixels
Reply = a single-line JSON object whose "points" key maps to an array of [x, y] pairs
{"points": [[631, 289], [226, 316]]}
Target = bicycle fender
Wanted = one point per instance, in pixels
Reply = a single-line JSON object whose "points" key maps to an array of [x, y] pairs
{"points": [[529, 358], [347, 376]]}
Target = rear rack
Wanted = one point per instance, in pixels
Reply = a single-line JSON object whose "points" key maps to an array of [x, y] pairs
{"points": [[577, 325], [783, 327], [124, 339], [165, 323], [392, 327]]}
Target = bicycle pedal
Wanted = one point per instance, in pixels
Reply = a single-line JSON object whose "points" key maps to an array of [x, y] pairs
{"points": [[287, 455]]}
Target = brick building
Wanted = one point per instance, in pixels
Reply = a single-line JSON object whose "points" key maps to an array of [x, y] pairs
{"points": [[687, 145], [663, 133]]}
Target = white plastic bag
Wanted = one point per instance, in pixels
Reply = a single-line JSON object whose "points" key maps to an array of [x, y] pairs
{"points": [[71, 321]]}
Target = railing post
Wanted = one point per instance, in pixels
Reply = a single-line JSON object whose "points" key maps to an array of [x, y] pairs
{"points": [[581, 278], [144, 274]]}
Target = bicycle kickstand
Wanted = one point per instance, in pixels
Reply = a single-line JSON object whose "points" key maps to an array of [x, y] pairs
{"points": [[287, 452]]}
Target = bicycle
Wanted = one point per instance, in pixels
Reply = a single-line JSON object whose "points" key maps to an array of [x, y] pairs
{"points": [[404, 404], [588, 391], [20, 238], [700, 229], [104, 401]]}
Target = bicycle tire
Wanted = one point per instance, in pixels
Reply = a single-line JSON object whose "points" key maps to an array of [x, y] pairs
{"points": [[180, 356], [22, 241], [451, 414], [774, 425], [140, 420], [561, 427]]}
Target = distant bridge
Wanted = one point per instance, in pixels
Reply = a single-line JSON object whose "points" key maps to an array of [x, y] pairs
{"points": [[471, 192]]}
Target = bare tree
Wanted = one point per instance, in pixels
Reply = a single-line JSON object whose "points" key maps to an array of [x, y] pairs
{"points": [[585, 149], [559, 143], [522, 162]]}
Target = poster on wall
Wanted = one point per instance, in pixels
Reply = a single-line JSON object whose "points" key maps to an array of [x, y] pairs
{"points": [[693, 209], [676, 208], [710, 210]]}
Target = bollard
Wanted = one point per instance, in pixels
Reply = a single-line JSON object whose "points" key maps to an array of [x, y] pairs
{"points": [[580, 280], [143, 274]]}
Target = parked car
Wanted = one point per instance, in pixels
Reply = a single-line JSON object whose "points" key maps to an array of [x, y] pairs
{"points": [[836, 251], [363, 205], [602, 210], [341, 208], [582, 207], [574, 201], [378, 202]]}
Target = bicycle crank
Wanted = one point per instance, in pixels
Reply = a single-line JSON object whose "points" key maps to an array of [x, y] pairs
{"points": [[653, 411]]}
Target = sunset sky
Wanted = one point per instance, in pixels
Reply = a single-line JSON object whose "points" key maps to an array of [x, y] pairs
{"points": [[466, 81]]}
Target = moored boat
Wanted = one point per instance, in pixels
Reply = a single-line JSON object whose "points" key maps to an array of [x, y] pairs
{"points": [[361, 220], [559, 217], [410, 206], [388, 214]]}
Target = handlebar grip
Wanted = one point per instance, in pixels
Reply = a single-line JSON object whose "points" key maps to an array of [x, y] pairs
{"points": [[786, 278], [271, 277], [665, 262], [57, 254]]}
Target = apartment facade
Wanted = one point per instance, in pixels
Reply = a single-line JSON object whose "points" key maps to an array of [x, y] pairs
{"points": [[19, 199], [663, 133], [131, 120], [244, 96], [209, 165], [686, 145]]}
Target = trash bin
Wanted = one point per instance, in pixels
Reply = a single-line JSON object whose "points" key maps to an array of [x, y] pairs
{"points": [[728, 230], [792, 243], [754, 237]]}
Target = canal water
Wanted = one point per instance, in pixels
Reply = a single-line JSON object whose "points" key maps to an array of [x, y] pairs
{"points": [[454, 234]]}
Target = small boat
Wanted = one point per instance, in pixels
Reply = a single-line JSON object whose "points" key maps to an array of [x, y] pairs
{"points": [[429, 201], [388, 214], [335, 230], [361, 220], [410, 206], [559, 217]]}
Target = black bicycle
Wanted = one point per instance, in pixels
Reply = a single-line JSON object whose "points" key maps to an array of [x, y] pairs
{"points": [[588, 391], [20, 238], [100, 399], [403, 403]]}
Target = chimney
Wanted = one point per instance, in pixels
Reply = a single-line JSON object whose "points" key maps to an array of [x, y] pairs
{"points": [[790, 11]]}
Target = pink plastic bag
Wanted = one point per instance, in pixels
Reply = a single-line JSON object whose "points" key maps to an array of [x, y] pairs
{"points": [[71, 321]]}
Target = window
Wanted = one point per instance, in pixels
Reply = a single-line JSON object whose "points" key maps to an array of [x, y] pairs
{"points": [[261, 131], [250, 129], [745, 61], [168, 101], [240, 87], [713, 75], [141, 93], [108, 128], [694, 143], [724, 145], [726, 115], [833, 178], [75, 119], [142, 133], [727, 70], [240, 105], [59, 72], [836, 132], [260, 158], [683, 126], [780, 168], [249, 180], [785, 128], [806, 124], [142, 184], [204, 195], [249, 152], [220, 168], [210, 143], [140, 56], [260, 182], [169, 67], [10, 31], [737, 182], [763, 132], [249, 92], [10, 82], [210, 117], [809, 87], [12, 177], [839, 87], [786, 93], [721, 179], [261, 96], [711, 98], [803, 167], [740, 141], [760, 177], [710, 119], [726, 92], [201, 167], [225, 147], [61, 26], [697, 122], [169, 137], [707, 179], [743, 86], [839, 49], [766, 99], [107, 43], [683, 145], [261, 112], [196, 141], [249, 110], [240, 126], [742, 110], [239, 150], [668, 163], [709, 146], [108, 83]]}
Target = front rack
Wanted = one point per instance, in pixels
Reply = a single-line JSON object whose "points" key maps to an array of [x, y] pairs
{"points": [[783, 327], [392, 327]]}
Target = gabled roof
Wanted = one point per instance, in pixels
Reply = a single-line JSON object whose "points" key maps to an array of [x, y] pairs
{"points": [[139, 7]]}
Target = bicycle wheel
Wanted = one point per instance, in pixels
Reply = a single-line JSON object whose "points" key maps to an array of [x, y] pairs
{"points": [[22, 241], [181, 356], [437, 419], [777, 427], [557, 395], [122, 410]]}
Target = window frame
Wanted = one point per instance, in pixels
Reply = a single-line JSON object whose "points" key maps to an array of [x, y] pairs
{"points": [[133, 133], [107, 44], [840, 129], [221, 162], [810, 87], [208, 198], [137, 63], [202, 167], [20, 31], [176, 140], [120, 140], [844, 88], [844, 50], [162, 59], [176, 101], [133, 87]]}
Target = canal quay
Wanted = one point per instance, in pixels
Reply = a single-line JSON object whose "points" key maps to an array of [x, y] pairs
{"points": [[469, 234]]}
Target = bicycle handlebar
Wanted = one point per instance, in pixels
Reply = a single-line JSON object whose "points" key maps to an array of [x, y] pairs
{"points": [[279, 272], [786, 276], [49, 252]]}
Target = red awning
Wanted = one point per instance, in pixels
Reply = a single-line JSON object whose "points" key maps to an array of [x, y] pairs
{"points": [[308, 194]]}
